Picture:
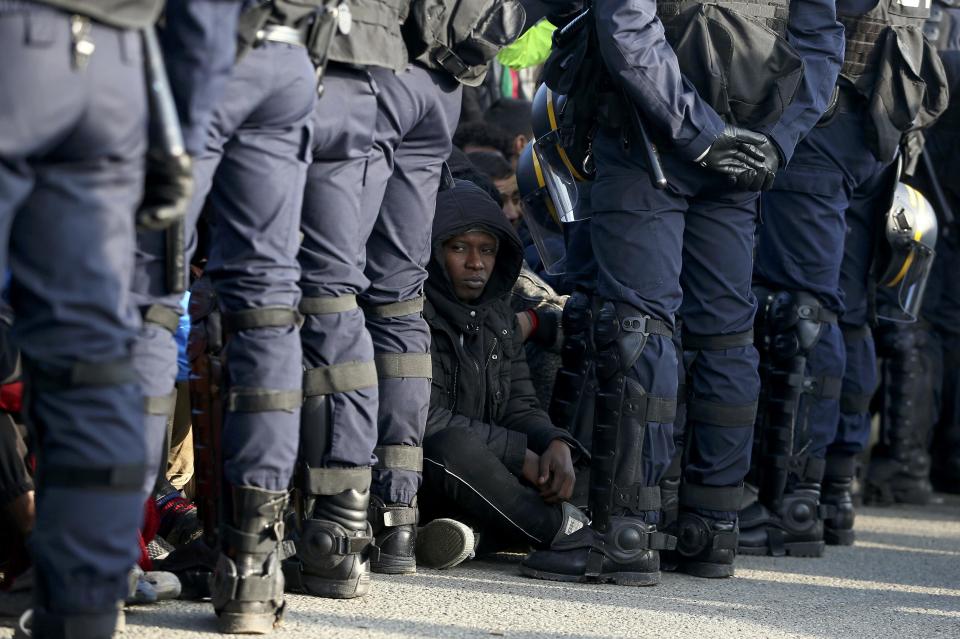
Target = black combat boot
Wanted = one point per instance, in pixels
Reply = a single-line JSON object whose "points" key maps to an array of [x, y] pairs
{"points": [[624, 554], [706, 547], [837, 500], [794, 527], [332, 548], [247, 587], [900, 476], [395, 537], [706, 531]]}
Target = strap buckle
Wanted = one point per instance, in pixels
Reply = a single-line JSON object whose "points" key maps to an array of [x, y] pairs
{"points": [[282, 34], [450, 61], [639, 324]]}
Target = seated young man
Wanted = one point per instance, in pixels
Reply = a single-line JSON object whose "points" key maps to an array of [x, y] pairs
{"points": [[492, 458]]}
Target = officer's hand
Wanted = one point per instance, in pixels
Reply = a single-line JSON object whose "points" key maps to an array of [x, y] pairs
{"points": [[167, 191], [546, 325], [735, 153], [763, 179], [556, 478]]}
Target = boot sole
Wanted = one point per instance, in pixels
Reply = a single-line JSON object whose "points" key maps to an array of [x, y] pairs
{"points": [[706, 570], [334, 589], [619, 578], [238, 623], [391, 565], [307, 584], [444, 543], [794, 549], [835, 537]]}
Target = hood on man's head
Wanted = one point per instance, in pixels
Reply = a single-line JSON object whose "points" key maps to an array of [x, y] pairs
{"points": [[467, 207]]}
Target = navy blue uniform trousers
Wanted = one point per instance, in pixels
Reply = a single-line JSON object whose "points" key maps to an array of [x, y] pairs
{"points": [[250, 174], [817, 236], [696, 234], [72, 143], [332, 258], [368, 215], [416, 116]]}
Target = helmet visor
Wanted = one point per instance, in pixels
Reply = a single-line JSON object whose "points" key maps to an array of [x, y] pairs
{"points": [[540, 217], [908, 285], [554, 175]]}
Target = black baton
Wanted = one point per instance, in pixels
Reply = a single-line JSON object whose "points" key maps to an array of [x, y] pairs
{"points": [[169, 137], [657, 177]]}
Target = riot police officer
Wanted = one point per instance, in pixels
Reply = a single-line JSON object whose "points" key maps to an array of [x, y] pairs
{"points": [[338, 423], [814, 310], [249, 167], [72, 143], [639, 234], [918, 369], [367, 221], [907, 402]]}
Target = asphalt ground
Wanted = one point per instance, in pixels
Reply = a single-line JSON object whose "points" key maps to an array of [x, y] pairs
{"points": [[901, 579]]}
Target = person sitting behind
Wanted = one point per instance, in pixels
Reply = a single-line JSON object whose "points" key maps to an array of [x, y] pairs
{"points": [[492, 458]]}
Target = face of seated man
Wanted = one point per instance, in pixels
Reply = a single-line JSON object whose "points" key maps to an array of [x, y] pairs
{"points": [[470, 259]]}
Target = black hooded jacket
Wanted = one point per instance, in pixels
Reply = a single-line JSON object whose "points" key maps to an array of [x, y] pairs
{"points": [[480, 377]]}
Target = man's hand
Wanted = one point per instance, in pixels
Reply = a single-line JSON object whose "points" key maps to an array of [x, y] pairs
{"points": [[556, 477], [736, 154], [531, 467], [764, 177]]}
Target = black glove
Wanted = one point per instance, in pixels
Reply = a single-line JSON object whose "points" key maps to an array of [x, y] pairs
{"points": [[546, 325], [167, 191], [735, 154], [763, 179]]}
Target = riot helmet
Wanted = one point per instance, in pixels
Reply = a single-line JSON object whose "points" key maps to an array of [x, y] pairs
{"points": [[540, 213], [906, 255], [566, 138]]}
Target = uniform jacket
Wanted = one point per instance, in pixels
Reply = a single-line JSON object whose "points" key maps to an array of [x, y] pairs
{"points": [[637, 54], [199, 47], [481, 380]]}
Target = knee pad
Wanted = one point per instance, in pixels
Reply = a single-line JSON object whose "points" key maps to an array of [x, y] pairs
{"points": [[790, 323], [620, 333]]}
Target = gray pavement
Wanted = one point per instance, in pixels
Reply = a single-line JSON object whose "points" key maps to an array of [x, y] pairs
{"points": [[901, 579]]}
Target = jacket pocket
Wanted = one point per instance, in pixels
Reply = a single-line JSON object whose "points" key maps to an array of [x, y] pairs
{"points": [[910, 90], [714, 45]]}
